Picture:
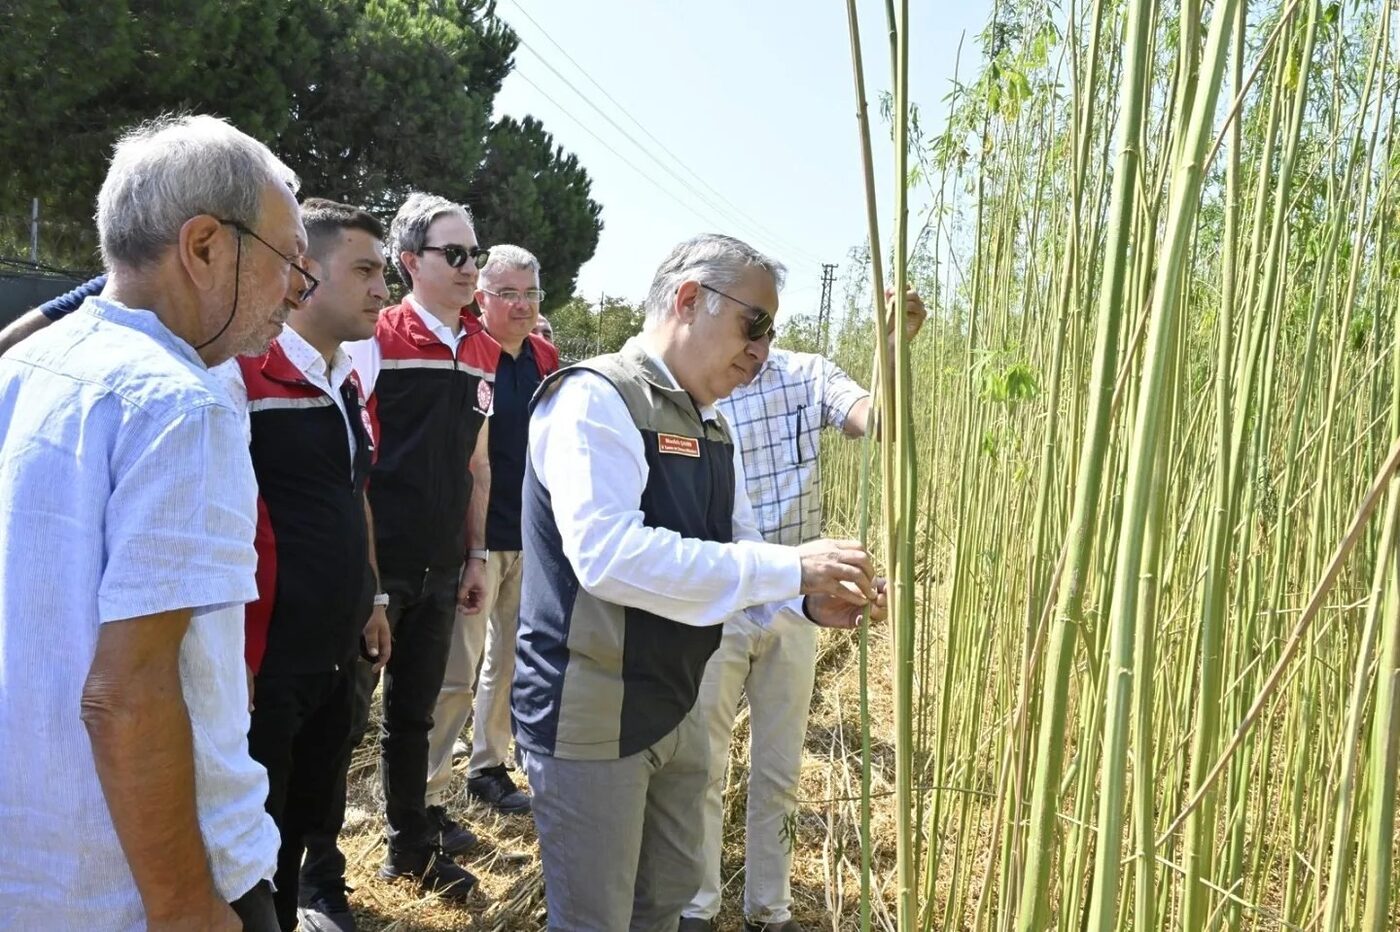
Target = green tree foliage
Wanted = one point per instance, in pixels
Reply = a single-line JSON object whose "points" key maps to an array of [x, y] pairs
{"points": [[581, 330], [800, 333], [364, 99], [532, 193]]}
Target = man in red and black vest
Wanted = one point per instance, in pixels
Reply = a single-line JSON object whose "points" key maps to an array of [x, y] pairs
{"points": [[311, 447], [509, 295], [428, 371]]}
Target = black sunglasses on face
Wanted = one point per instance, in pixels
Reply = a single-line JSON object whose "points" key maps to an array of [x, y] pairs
{"points": [[457, 255], [312, 282], [760, 321]]}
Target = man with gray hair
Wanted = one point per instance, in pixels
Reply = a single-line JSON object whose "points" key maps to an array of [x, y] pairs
{"points": [[639, 542], [121, 664], [509, 296]]}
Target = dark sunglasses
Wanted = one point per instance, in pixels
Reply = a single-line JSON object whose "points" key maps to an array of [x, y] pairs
{"points": [[457, 255], [760, 321], [312, 282]]}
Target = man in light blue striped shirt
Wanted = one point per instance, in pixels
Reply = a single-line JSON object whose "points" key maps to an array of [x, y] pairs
{"points": [[127, 509]]}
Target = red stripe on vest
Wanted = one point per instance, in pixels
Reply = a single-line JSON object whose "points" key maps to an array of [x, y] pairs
{"points": [[546, 354], [257, 615], [401, 334]]}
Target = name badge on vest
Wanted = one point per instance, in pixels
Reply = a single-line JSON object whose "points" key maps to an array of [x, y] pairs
{"points": [[681, 446]]}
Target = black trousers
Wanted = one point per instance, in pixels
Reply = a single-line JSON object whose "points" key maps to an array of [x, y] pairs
{"points": [[255, 909], [300, 729], [324, 867], [422, 609]]}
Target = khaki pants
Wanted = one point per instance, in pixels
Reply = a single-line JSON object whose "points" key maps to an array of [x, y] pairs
{"points": [[484, 640], [774, 667]]}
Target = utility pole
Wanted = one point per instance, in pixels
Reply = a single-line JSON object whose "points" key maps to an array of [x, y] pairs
{"points": [[598, 331], [34, 233], [824, 314]]}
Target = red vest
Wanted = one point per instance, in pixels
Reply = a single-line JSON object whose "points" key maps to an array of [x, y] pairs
{"points": [[428, 406]]}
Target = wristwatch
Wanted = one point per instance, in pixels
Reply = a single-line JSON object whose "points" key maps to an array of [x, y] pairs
{"points": [[478, 555], [381, 598]]}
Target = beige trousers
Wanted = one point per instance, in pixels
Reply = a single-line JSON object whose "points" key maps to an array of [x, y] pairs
{"points": [[483, 641]]}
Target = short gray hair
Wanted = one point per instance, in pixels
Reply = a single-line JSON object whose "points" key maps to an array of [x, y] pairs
{"points": [[507, 256], [711, 258], [172, 168], [409, 230]]}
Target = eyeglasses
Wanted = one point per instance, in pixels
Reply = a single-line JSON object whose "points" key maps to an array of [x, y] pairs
{"points": [[312, 282], [511, 296], [760, 321], [457, 255]]}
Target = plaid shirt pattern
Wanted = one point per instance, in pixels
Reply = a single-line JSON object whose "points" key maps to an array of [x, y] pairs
{"points": [[777, 419]]}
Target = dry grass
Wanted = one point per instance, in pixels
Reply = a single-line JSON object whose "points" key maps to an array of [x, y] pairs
{"points": [[826, 871]]}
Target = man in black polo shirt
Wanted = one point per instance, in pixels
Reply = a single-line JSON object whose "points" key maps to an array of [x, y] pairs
{"points": [[311, 450], [508, 295]]}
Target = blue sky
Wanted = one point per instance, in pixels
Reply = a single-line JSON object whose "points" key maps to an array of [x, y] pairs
{"points": [[748, 108]]}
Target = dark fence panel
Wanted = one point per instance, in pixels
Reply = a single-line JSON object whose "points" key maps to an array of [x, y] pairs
{"points": [[20, 291]]}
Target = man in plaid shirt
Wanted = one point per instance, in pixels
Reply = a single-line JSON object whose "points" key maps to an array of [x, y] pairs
{"points": [[777, 417]]}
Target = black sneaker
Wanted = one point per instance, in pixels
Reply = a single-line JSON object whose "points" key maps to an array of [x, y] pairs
{"points": [[326, 911], [494, 787], [434, 871], [452, 836], [695, 924]]}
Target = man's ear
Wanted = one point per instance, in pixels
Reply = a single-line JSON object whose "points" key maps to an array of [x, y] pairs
{"points": [[687, 304], [409, 260], [202, 246]]}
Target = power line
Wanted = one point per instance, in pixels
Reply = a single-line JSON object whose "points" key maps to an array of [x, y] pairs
{"points": [[696, 175], [719, 211], [735, 215], [583, 126]]}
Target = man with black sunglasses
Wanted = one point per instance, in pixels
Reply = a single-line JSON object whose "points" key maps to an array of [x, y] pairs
{"points": [[428, 373], [508, 295], [639, 543]]}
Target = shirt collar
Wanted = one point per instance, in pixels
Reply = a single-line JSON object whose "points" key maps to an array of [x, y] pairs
{"points": [[436, 327], [707, 412], [526, 354], [311, 363], [775, 360], [144, 321]]}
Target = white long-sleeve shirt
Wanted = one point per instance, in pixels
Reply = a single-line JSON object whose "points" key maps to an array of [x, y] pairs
{"points": [[587, 451]]}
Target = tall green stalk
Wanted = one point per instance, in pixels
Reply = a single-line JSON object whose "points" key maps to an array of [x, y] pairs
{"points": [[1033, 905]]}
